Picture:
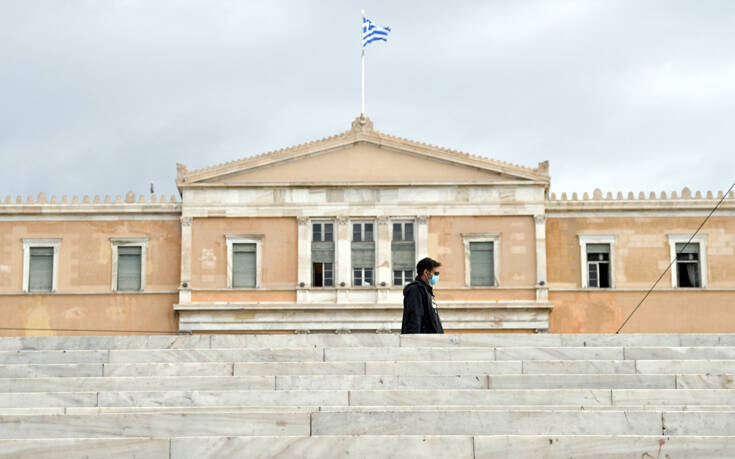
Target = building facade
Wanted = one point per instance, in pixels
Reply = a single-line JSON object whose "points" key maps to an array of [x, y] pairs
{"points": [[323, 236]]}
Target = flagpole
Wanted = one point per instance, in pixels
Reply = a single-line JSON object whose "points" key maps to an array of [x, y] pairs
{"points": [[362, 112]]}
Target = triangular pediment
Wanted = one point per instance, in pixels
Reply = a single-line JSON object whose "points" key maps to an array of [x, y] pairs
{"points": [[361, 156]]}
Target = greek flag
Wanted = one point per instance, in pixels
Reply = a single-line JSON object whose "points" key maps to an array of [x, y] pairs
{"points": [[372, 32]]}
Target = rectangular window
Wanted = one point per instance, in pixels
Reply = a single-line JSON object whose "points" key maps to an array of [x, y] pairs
{"points": [[244, 267], [41, 269], [402, 277], [598, 265], [363, 254], [362, 232], [322, 255], [129, 267], [323, 274], [688, 269], [362, 277], [403, 231], [403, 253], [323, 232], [482, 272]]}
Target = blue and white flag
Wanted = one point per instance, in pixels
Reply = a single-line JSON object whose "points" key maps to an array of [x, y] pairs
{"points": [[372, 32]]}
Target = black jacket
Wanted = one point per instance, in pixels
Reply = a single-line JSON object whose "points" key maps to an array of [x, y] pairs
{"points": [[419, 316]]}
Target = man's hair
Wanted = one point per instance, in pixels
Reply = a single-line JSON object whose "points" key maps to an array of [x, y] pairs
{"points": [[426, 263]]}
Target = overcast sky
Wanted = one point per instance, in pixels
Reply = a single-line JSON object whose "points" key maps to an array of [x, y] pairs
{"points": [[102, 97]]}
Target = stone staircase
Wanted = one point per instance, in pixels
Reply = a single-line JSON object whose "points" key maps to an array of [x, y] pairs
{"points": [[368, 395]]}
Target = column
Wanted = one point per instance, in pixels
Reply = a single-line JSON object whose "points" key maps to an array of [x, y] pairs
{"points": [[304, 252], [382, 261], [343, 253], [422, 237], [185, 285], [542, 288]]}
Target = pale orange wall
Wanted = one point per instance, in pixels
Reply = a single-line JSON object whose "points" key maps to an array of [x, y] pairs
{"points": [[642, 251], [363, 163], [484, 294], [517, 247], [85, 252], [669, 311], [279, 251], [84, 313], [240, 295]]}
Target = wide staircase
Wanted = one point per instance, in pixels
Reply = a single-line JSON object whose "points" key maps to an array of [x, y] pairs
{"points": [[368, 395]]}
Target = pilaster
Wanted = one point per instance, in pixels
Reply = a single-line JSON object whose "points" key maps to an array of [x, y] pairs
{"points": [[185, 285], [542, 289]]}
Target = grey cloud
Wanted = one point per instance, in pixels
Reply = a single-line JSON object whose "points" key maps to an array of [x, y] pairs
{"points": [[102, 97]]}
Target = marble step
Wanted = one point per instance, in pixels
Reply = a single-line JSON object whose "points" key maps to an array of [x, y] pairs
{"points": [[524, 381], [500, 422], [404, 368], [316, 354], [680, 353], [542, 340], [306, 396], [351, 382], [196, 341], [381, 340], [298, 354], [155, 425], [376, 446], [573, 339], [16, 343], [361, 340], [36, 370], [582, 381], [138, 383], [603, 446], [93, 411], [224, 398], [472, 353], [707, 381], [88, 448], [540, 397]]}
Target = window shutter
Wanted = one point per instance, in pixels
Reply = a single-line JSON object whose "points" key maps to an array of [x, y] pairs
{"points": [[363, 254], [598, 248], [322, 252], [243, 265], [41, 269], [692, 247], [128, 268], [403, 255], [481, 264]]}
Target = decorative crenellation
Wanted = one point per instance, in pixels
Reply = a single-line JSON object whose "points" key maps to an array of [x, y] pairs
{"points": [[129, 198], [686, 193]]}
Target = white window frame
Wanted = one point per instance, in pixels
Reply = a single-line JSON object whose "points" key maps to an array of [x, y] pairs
{"points": [[335, 262], [402, 222], [362, 278], [54, 243], [362, 224], [362, 221], [701, 239], [322, 222], [585, 239], [141, 242], [256, 239], [467, 238]]}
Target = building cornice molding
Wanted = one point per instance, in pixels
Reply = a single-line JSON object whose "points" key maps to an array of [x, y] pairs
{"points": [[362, 132]]}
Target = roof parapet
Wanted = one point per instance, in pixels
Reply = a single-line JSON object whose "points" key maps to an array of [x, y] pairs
{"points": [[686, 194], [130, 198]]}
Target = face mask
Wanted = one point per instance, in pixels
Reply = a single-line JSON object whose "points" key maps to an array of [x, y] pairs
{"points": [[434, 279]]}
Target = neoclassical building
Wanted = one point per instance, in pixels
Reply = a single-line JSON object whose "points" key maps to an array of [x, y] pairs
{"points": [[323, 236]]}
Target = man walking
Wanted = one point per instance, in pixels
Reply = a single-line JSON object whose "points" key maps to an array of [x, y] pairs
{"points": [[419, 307]]}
